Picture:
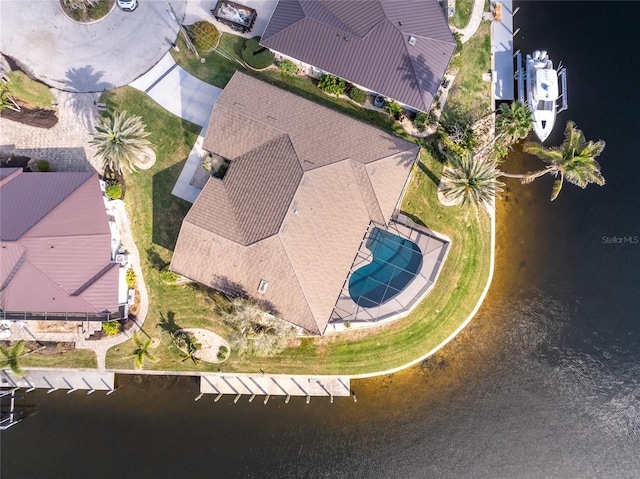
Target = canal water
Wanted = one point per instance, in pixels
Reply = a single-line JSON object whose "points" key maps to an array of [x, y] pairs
{"points": [[544, 383]]}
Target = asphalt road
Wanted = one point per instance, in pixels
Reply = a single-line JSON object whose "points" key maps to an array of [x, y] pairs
{"points": [[69, 56]]}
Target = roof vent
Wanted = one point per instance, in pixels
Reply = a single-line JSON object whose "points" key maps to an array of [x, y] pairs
{"points": [[262, 288], [412, 40]]}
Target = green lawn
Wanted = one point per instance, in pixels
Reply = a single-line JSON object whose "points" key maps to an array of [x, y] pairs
{"points": [[76, 358], [31, 91], [469, 91], [463, 13]]}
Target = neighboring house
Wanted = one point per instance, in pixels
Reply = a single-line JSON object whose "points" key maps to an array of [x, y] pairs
{"points": [[399, 49], [56, 248], [303, 186]]}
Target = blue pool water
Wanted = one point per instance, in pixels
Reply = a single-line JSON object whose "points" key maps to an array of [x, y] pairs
{"points": [[395, 262]]}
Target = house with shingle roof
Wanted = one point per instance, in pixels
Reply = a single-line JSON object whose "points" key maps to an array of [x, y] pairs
{"points": [[397, 48], [303, 185], [55, 248]]}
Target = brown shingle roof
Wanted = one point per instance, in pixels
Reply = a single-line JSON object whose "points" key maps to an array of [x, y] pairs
{"points": [[293, 210], [56, 245], [367, 43]]}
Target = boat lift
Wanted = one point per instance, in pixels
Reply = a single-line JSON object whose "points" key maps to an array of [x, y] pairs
{"points": [[562, 102]]}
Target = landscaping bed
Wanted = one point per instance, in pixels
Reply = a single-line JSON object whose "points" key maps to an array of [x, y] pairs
{"points": [[89, 14]]}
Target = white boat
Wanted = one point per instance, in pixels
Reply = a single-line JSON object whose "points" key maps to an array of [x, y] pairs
{"points": [[543, 92]]}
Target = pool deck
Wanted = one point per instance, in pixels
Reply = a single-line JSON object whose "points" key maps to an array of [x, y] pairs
{"points": [[434, 248]]}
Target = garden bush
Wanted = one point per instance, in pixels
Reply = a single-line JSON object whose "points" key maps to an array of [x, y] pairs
{"points": [[287, 66], [114, 191], [332, 84], [357, 95], [131, 278], [168, 277], [393, 108], [255, 55], [111, 328], [204, 35], [222, 353], [44, 165]]}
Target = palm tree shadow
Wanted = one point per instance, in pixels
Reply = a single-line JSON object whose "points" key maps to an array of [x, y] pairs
{"points": [[85, 85], [432, 176]]}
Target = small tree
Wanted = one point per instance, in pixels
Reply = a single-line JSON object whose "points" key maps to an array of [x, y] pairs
{"points": [[255, 55], [121, 141], [393, 108], [255, 331], [469, 180], [10, 357], [111, 328], [141, 352]]}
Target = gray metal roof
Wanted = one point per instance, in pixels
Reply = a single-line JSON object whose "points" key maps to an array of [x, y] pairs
{"points": [[55, 253], [367, 43], [293, 210]]}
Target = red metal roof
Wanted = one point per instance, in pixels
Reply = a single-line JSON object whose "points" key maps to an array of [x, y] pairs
{"points": [[55, 253]]}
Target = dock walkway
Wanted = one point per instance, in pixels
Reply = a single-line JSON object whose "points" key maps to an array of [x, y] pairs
{"points": [[64, 379], [275, 385]]}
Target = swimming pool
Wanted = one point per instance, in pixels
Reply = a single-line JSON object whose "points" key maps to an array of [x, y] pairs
{"points": [[395, 263]]}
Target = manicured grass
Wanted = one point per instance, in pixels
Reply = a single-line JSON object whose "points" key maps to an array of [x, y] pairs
{"points": [[76, 358], [217, 68], [463, 13], [469, 91], [31, 91]]}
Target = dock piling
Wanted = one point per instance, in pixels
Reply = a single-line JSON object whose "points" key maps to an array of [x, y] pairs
{"points": [[252, 398], [266, 399], [236, 399], [217, 397]]}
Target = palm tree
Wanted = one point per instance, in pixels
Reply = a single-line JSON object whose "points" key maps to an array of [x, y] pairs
{"points": [[10, 357], [6, 98], [469, 180], [514, 122], [574, 161], [121, 142], [142, 351]]}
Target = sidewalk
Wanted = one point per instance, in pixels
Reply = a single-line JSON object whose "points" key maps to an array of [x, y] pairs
{"points": [[474, 22]]}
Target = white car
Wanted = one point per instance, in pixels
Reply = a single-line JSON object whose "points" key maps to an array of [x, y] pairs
{"points": [[128, 5]]}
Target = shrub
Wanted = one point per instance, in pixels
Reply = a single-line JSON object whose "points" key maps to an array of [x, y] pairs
{"points": [[131, 278], [114, 191], [168, 277], [205, 35], [255, 55], [288, 66], [111, 328], [357, 95], [458, 37], [44, 165], [222, 353], [255, 331], [332, 84], [393, 108], [421, 120]]}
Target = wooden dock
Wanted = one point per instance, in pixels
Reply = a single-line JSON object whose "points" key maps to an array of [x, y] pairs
{"points": [[52, 380], [274, 385]]}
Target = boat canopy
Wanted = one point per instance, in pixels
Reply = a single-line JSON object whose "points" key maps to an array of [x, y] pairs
{"points": [[546, 85]]}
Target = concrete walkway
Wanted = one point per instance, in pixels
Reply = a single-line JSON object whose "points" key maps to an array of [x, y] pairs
{"points": [[179, 92], [474, 22], [86, 57]]}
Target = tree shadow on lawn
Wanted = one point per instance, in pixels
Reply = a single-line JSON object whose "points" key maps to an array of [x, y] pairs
{"points": [[168, 210]]}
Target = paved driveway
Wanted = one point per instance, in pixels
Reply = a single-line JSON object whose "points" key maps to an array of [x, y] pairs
{"points": [[86, 58], [179, 92]]}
